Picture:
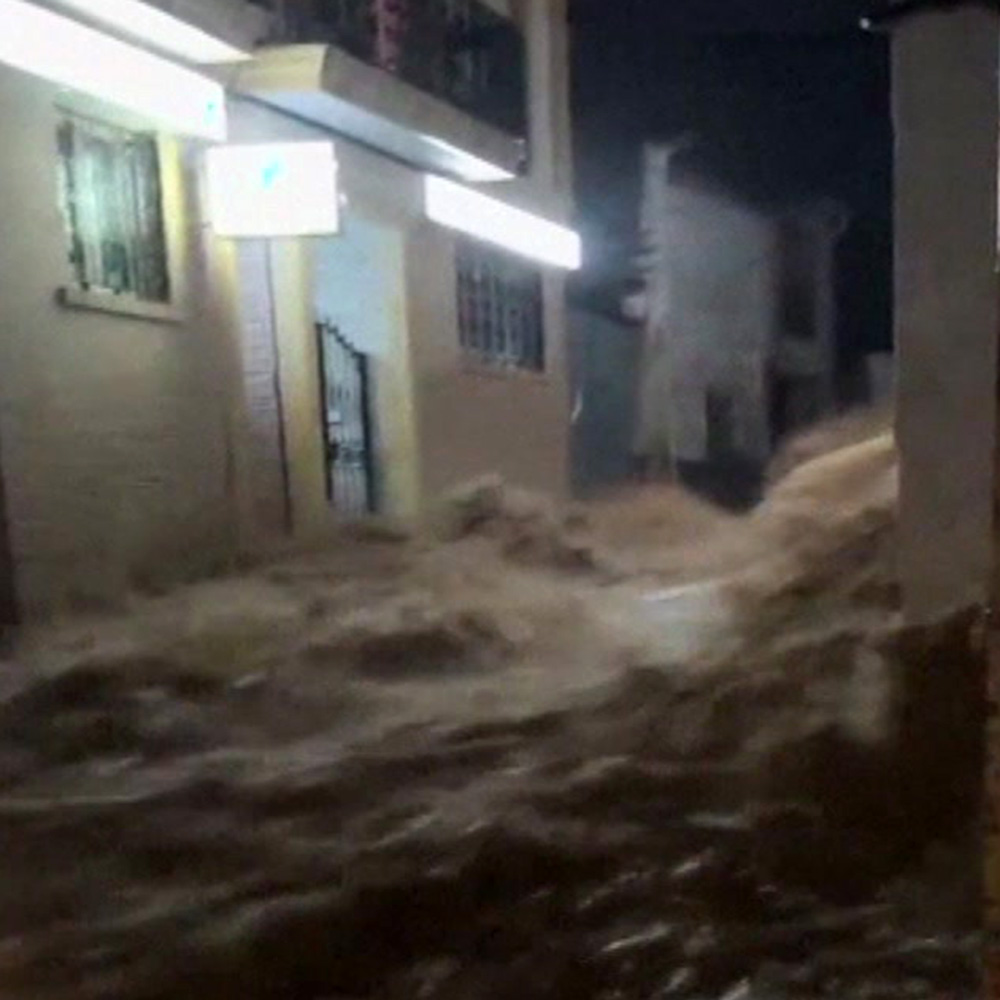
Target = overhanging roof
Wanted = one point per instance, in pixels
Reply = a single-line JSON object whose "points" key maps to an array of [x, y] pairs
{"points": [[889, 14], [325, 85]]}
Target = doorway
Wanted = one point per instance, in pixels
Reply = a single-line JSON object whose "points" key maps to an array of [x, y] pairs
{"points": [[720, 426], [364, 362], [346, 415]]}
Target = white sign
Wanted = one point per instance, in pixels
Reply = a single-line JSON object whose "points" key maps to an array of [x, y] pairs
{"points": [[274, 190]]}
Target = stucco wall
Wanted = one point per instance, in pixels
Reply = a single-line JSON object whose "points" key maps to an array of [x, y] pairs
{"points": [[128, 444], [114, 429], [717, 282], [472, 421], [265, 481], [440, 422], [604, 365], [357, 279], [361, 287], [945, 107]]}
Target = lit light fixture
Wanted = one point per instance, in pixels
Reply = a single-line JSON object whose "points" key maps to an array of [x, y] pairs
{"points": [[470, 168], [449, 204], [72, 55], [273, 190], [159, 29]]}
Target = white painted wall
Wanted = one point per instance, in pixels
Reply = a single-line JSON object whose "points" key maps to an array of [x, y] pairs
{"points": [[127, 443], [473, 421], [713, 307], [116, 431], [358, 283], [360, 287], [264, 482]]}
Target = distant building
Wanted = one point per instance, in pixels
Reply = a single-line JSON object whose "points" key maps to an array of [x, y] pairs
{"points": [[740, 320], [196, 357]]}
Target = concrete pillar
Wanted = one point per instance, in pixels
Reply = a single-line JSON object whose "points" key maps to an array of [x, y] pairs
{"points": [[946, 117], [292, 270], [545, 26]]}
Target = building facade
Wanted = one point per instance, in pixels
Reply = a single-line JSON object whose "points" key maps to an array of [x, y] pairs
{"points": [[740, 324], [202, 353]]}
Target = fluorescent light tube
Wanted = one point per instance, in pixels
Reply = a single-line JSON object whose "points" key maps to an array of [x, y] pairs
{"points": [[72, 55], [470, 168], [460, 208], [159, 29]]}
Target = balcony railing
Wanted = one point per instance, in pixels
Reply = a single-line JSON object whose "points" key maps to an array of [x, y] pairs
{"points": [[461, 51]]}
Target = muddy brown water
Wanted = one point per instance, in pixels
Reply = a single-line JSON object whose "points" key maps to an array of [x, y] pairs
{"points": [[422, 771], [169, 834]]}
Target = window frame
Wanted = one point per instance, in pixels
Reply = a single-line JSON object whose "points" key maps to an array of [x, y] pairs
{"points": [[506, 330], [81, 290]]}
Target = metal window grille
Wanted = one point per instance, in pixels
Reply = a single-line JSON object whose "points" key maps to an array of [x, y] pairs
{"points": [[500, 308], [111, 198]]}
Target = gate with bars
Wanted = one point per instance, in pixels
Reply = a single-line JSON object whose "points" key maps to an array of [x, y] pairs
{"points": [[345, 394]]}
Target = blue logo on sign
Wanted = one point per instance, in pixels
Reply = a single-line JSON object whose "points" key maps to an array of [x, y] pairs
{"points": [[270, 174]]}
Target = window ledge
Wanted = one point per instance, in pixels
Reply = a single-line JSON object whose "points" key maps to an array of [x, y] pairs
{"points": [[119, 305], [484, 369]]}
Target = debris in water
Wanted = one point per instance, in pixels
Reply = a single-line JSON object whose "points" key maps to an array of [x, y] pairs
{"points": [[446, 770]]}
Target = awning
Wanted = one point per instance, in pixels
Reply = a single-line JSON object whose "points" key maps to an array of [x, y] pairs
{"points": [[325, 85]]}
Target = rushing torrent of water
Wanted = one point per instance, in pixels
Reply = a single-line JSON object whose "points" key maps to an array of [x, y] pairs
{"points": [[458, 771]]}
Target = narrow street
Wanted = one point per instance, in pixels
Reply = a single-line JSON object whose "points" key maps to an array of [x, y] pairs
{"points": [[493, 765], [499, 500]]}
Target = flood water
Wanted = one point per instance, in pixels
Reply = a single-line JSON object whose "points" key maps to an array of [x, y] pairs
{"points": [[407, 771]]}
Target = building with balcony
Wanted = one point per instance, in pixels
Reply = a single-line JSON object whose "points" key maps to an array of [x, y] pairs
{"points": [[270, 265]]}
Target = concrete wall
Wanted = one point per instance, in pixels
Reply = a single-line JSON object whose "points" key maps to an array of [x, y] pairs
{"points": [[265, 480], [604, 365], [716, 278], [139, 448], [361, 288], [356, 278], [811, 236], [945, 107], [473, 420], [440, 419], [116, 430]]}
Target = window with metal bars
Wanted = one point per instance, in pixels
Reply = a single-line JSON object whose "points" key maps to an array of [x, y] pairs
{"points": [[500, 308], [111, 199]]}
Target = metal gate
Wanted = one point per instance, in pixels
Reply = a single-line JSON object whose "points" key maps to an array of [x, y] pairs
{"points": [[347, 428]]}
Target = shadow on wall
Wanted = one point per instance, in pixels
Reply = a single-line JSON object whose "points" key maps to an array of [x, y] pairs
{"points": [[604, 372]]}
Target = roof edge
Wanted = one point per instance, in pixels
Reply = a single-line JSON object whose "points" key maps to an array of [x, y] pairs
{"points": [[889, 15]]}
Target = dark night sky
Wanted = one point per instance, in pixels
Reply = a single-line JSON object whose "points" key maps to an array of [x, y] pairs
{"points": [[789, 101]]}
